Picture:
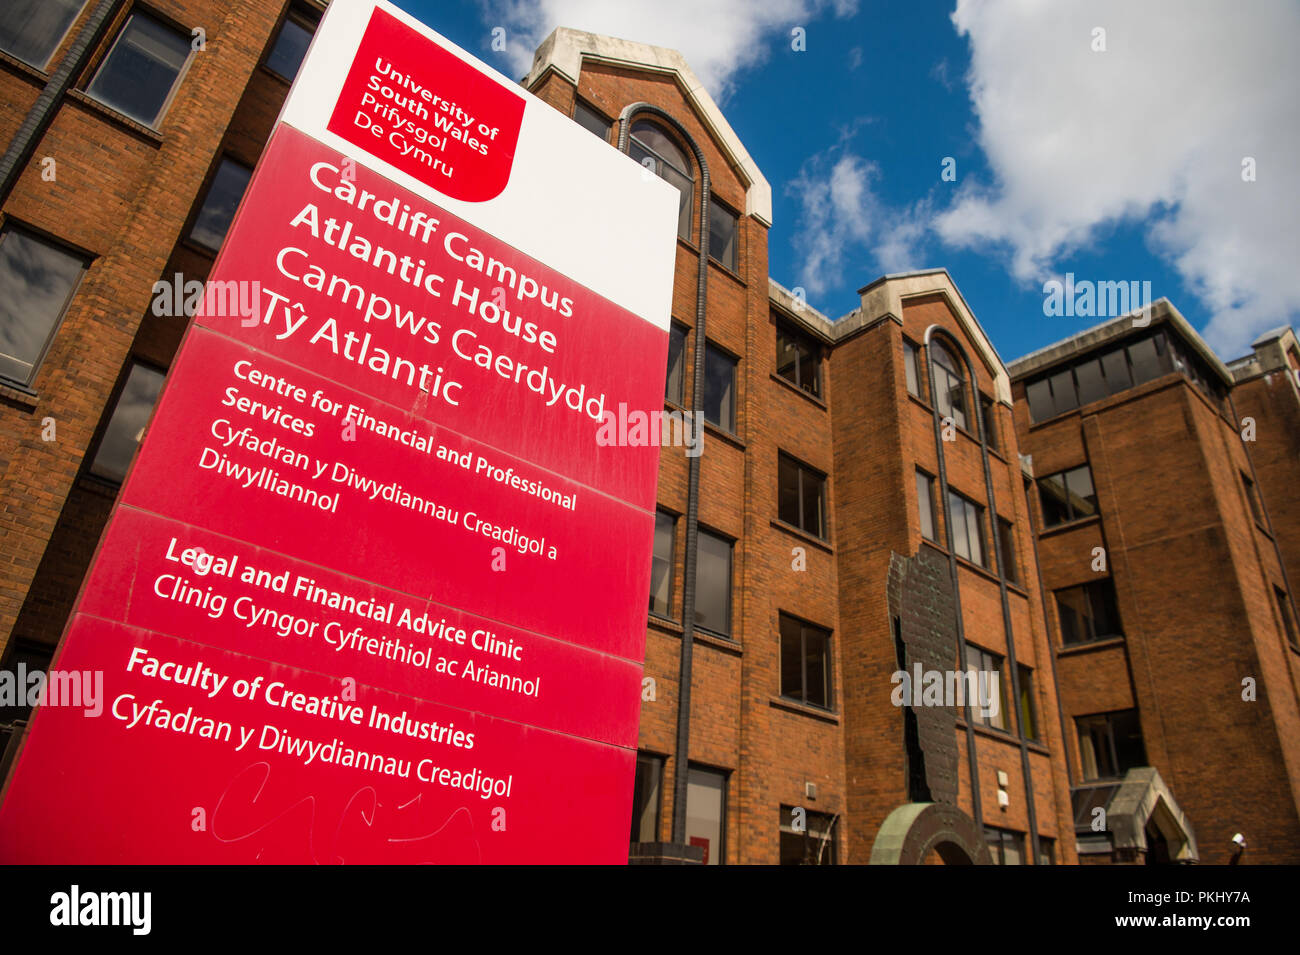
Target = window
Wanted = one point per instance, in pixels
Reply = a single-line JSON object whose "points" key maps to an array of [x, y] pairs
{"points": [[1288, 621], [801, 496], [1006, 848], [1007, 544], [990, 707], [1088, 612], [1067, 496], [706, 812], [1028, 712], [218, 209], [1046, 851], [798, 359], [126, 426], [141, 69], [988, 414], [812, 843], [713, 583], [1110, 744], [37, 279], [675, 383], [912, 368], [32, 30], [925, 504], [658, 152], [719, 389], [967, 519], [724, 235], [1091, 383], [1253, 497], [805, 662], [291, 44], [591, 120], [949, 386], [647, 797], [1099, 376], [661, 566]]}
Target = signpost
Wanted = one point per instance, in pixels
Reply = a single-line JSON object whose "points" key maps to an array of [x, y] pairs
{"points": [[373, 591]]}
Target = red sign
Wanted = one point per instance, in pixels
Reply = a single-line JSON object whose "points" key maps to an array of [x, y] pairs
{"points": [[427, 112], [373, 590]]}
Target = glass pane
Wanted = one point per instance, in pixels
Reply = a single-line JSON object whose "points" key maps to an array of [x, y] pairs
{"points": [[1075, 611], [813, 487], [1063, 396], [591, 121], [925, 504], [659, 142], [988, 411], [646, 799], [1115, 367], [787, 356], [1129, 750], [1007, 542], [36, 280], [713, 584], [810, 368], [1082, 495], [1104, 609], [723, 230], [675, 382], [686, 195], [910, 369], [1028, 724], [1039, 394], [1013, 847], [818, 688], [140, 70], [219, 204], [704, 794], [791, 658], [975, 532], [290, 47], [787, 490], [1091, 386], [661, 567], [719, 389], [32, 29], [1054, 498], [126, 426], [1145, 361], [957, 516]]}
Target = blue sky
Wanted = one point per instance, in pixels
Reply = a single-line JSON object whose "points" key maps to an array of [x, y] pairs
{"points": [[1122, 163]]}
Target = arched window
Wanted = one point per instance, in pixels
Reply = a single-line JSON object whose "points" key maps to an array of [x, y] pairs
{"points": [[949, 385], [656, 150]]}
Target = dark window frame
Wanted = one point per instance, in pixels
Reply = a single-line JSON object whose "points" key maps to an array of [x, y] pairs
{"points": [[301, 15], [912, 369], [110, 410], [672, 565], [197, 211], [944, 378], [121, 24], [785, 827], [987, 660], [967, 506], [1107, 721], [581, 104], [731, 582], [805, 347], [714, 349], [1106, 586], [733, 267], [688, 209], [1289, 628], [1068, 502], [1007, 550], [724, 808], [1025, 684], [44, 65], [933, 536], [1005, 838], [648, 757], [803, 473], [56, 323], [804, 627], [676, 327]]}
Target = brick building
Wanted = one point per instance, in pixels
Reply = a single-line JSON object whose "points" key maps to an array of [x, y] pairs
{"points": [[1166, 512], [861, 508]]}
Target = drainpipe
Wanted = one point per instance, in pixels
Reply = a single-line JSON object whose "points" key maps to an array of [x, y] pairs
{"points": [[46, 107], [693, 481]]}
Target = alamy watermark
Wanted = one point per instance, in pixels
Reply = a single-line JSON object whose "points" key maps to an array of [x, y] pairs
{"points": [[981, 688], [658, 428], [76, 688], [1088, 299]]}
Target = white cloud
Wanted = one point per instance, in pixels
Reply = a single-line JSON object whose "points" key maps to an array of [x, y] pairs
{"points": [[719, 38], [1153, 130], [841, 214]]}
